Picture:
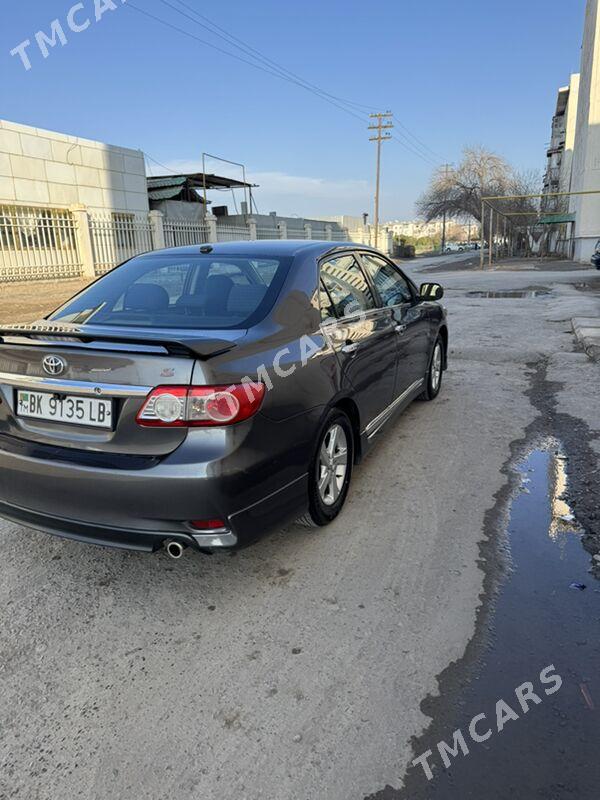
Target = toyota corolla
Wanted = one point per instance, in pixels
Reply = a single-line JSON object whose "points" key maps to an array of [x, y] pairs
{"points": [[201, 396]]}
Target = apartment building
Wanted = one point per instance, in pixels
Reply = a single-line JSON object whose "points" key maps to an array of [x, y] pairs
{"points": [[585, 175], [558, 175], [573, 155]]}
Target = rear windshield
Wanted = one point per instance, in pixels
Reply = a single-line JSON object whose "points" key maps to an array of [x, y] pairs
{"points": [[203, 291]]}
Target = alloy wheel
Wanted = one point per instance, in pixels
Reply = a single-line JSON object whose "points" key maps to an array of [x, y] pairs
{"points": [[436, 367], [333, 464]]}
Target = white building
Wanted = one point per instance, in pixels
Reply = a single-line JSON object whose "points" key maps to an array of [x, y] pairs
{"points": [[345, 221], [558, 175], [71, 207], [417, 228], [420, 229], [585, 174], [570, 132], [43, 168]]}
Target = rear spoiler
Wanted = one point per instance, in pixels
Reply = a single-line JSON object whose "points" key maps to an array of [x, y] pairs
{"points": [[35, 334]]}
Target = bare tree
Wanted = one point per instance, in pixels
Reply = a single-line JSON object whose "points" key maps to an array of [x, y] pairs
{"points": [[458, 193]]}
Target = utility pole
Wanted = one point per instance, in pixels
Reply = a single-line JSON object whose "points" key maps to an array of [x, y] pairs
{"points": [[491, 235], [383, 124], [482, 236], [447, 169]]}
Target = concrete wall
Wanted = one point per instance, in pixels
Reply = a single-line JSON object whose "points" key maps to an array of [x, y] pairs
{"points": [[293, 223], [344, 221], [586, 157], [43, 168]]}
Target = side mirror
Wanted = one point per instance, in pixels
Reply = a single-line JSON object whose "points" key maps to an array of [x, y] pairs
{"points": [[431, 291]]}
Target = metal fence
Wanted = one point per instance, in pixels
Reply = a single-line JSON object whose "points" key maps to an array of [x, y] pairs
{"points": [[232, 233], [268, 233], [37, 243], [117, 237], [184, 232], [49, 243]]}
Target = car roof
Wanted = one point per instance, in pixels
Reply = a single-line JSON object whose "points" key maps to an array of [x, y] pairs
{"points": [[264, 247]]}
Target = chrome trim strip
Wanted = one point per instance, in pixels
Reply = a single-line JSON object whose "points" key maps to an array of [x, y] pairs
{"points": [[215, 539], [269, 496], [380, 419], [74, 387], [95, 345]]}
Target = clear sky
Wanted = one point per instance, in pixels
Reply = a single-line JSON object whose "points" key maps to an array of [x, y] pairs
{"points": [[454, 73]]}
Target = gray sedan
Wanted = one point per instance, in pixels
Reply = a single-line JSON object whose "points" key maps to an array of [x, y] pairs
{"points": [[201, 396]]}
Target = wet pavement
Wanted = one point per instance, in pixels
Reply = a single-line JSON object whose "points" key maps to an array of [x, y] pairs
{"points": [[545, 612], [318, 665], [511, 294]]}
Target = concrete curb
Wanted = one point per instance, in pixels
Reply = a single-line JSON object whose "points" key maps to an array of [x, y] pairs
{"points": [[587, 333]]}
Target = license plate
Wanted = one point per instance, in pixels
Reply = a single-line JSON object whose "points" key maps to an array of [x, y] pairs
{"points": [[90, 411]]}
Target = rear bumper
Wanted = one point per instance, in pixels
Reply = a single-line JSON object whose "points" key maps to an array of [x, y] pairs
{"points": [[252, 491], [147, 541], [242, 528]]}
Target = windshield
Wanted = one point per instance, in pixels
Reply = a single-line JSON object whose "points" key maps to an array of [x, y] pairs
{"points": [[169, 291]]}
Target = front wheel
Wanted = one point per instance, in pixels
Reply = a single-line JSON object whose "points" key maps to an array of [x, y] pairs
{"points": [[330, 470], [435, 372]]}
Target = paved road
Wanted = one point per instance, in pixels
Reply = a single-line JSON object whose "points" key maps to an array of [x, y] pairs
{"points": [[294, 670]]}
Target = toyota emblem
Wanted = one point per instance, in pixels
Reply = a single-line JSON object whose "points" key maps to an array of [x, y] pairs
{"points": [[54, 365]]}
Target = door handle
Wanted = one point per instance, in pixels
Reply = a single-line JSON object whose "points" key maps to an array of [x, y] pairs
{"points": [[350, 348], [400, 328]]}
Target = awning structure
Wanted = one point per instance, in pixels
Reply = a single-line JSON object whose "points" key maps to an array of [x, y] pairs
{"points": [[189, 186], [556, 219]]}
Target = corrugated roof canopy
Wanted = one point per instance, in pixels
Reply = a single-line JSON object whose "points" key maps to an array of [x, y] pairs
{"points": [[196, 180], [168, 193]]}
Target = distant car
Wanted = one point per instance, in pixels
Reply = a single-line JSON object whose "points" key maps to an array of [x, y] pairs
{"points": [[454, 247], [596, 256], [201, 396]]}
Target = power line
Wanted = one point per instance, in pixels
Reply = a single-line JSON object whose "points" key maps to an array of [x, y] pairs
{"points": [[411, 148], [264, 65], [418, 148], [222, 33], [228, 37], [238, 58], [417, 140], [156, 162]]}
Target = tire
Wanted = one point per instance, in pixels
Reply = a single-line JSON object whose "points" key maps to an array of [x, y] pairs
{"points": [[435, 372], [327, 491]]}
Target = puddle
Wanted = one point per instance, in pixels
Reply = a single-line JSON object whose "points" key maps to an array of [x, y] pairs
{"points": [[526, 293], [540, 616], [592, 286]]}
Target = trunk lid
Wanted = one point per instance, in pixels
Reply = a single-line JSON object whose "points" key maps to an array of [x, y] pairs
{"points": [[114, 364]]}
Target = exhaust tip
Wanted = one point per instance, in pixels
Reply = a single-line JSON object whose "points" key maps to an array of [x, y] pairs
{"points": [[175, 549]]}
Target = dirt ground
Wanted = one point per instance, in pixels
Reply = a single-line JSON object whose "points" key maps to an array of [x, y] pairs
{"points": [[26, 302]]}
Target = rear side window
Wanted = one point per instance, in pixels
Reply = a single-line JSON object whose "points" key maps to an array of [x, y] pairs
{"points": [[346, 286], [393, 288], [166, 291]]}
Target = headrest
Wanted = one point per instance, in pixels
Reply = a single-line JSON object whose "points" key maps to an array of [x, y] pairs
{"points": [[146, 297]]}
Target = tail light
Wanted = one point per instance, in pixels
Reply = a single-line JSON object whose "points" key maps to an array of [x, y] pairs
{"points": [[200, 406], [207, 524]]}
